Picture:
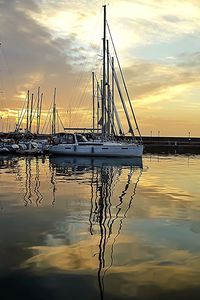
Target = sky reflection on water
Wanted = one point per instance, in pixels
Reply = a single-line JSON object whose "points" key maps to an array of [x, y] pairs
{"points": [[81, 228]]}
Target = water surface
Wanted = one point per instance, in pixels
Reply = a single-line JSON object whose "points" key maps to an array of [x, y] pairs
{"points": [[75, 228]]}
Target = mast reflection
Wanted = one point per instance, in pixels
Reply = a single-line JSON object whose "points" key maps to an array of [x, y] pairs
{"points": [[39, 196], [53, 182], [32, 184], [27, 172], [104, 216], [110, 180]]}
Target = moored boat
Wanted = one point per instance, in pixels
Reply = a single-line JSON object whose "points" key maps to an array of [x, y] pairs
{"points": [[8, 146], [107, 116], [77, 144], [29, 148]]}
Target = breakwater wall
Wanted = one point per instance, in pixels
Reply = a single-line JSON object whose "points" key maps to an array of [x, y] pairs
{"points": [[179, 145], [171, 145]]}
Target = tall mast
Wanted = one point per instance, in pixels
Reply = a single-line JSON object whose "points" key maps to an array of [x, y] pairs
{"points": [[38, 108], [98, 105], [123, 104], [54, 113], [93, 101], [31, 113], [18, 119], [27, 112], [108, 91], [104, 76], [125, 86], [112, 96], [40, 111]]}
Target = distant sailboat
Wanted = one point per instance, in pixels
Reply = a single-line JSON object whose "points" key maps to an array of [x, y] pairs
{"points": [[108, 120]]}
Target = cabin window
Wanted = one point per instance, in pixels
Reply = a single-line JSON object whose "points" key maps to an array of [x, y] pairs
{"points": [[81, 138], [68, 139]]}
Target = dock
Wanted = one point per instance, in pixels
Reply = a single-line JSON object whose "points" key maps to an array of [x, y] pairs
{"points": [[171, 145]]}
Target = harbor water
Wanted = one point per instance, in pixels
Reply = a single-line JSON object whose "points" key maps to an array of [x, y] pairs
{"points": [[82, 228]]}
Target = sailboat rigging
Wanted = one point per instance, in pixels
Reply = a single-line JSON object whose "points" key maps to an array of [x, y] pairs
{"points": [[108, 120]]}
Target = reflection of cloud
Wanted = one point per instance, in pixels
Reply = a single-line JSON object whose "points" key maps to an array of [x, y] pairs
{"points": [[79, 256], [162, 254], [171, 194], [136, 264]]}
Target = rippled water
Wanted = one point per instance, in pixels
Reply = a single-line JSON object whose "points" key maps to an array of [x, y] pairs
{"points": [[74, 228]]}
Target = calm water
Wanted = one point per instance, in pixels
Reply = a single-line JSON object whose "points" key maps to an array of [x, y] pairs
{"points": [[73, 228]]}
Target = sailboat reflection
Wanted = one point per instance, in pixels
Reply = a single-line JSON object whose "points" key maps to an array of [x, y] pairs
{"points": [[32, 177], [102, 214], [28, 174], [8, 162], [113, 184]]}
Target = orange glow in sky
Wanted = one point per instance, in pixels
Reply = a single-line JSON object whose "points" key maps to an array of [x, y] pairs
{"points": [[58, 44]]}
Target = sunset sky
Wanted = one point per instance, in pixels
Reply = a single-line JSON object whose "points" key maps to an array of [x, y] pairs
{"points": [[57, 43]]}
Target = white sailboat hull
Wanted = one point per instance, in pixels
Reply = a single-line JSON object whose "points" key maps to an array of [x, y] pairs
{"points": [[104, 149]]}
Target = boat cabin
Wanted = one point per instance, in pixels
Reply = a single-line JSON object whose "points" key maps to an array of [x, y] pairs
{"points": [[69, 138]]}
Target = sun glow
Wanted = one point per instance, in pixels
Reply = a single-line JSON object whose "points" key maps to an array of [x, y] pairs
{"points": [[157, 43]]}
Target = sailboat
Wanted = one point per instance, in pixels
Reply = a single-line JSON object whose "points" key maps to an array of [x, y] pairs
{"points": [[108, 118]]}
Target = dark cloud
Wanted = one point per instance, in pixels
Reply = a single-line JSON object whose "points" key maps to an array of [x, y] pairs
{"points": [[31, 55]]}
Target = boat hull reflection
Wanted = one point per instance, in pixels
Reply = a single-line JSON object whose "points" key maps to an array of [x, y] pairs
{"points": [[63, 161]]}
